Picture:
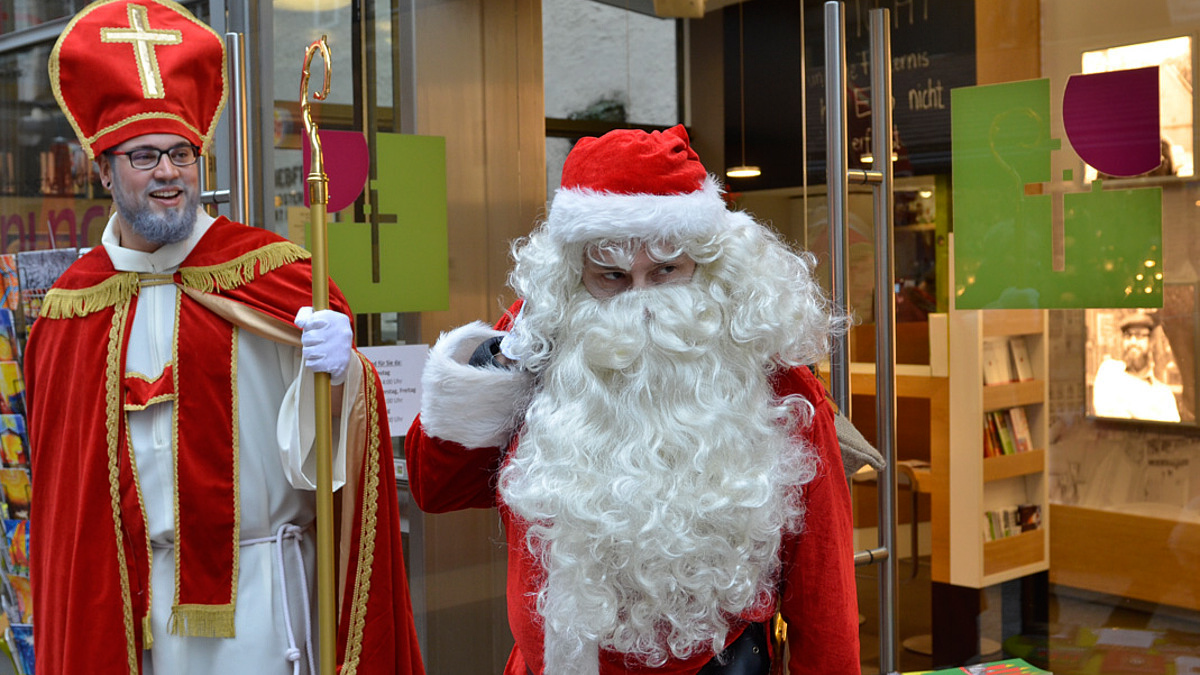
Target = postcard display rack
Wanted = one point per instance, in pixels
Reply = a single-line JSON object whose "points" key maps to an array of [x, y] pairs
{"points": [[990, 511], [24, 279]]}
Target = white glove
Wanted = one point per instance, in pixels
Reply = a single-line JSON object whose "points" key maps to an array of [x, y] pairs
{"points": [[327, 341]]}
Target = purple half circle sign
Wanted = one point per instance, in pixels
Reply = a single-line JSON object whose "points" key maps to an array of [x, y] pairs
{"points": [[1111, 120], [347, 164]]}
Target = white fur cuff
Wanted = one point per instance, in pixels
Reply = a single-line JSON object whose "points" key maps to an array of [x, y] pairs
{"points": [[475, 407]]}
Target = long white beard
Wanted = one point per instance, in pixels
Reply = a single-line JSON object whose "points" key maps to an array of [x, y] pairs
{"points": [[656, 473]]}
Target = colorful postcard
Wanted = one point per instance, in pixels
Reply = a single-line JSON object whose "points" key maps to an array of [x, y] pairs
{"points": [[12, 388], [16, 534], [37, 272], [18, 492], [10, 289], [22, 634], [10, 346], [14, 442], [24, 596]]}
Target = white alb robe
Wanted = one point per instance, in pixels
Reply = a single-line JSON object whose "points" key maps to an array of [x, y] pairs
{"points": [[276, 473]]}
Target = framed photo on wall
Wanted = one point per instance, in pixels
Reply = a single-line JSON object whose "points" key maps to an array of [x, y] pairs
{"points": [[1141, 363]]}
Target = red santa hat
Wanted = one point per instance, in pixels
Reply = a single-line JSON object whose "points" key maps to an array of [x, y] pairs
{"points": [[632, 184], [126, 68]]}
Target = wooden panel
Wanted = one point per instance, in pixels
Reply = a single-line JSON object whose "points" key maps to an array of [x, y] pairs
{"points": [[514, 135], [1151, 559], [911, 342], [1020, 464], [484, 96], [1000, 323], [913, 416], [1027, 548], [1001, 396], [1007, 40], [865, 501], [450, 103]]}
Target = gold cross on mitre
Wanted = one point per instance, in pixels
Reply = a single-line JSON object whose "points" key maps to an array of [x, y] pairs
{"points": [[144, 41]]}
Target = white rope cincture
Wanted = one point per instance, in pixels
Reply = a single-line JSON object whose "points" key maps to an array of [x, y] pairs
{"points": [[294, 534]]}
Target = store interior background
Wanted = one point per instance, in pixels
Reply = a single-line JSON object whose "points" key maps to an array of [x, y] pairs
{"points": [[507, 83]]}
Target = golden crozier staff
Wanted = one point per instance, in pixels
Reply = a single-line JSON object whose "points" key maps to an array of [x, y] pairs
{"points": [[318, 197]]}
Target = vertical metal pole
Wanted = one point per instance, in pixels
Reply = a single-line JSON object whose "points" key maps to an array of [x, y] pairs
{"points": [[838, 194], [885, 347], [239, 126]]}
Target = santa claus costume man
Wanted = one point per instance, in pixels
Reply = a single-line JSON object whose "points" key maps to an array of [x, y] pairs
{"points": [[170, 384], [665, 464]]}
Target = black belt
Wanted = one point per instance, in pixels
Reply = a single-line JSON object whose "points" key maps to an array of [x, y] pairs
{"points": [[747, 655]]}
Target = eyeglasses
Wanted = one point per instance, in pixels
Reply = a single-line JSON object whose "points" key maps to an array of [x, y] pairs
{"points": [[145, 159]]}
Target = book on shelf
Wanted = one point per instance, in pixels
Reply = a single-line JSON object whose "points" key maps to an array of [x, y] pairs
{"points": [[996, 367], [990, 530], [991, 446], [1006, 432], [1019, 422], [1029, 516], [993, 434], [1010, 521], [1011, 525], [1022, 367], [1003, 431]]}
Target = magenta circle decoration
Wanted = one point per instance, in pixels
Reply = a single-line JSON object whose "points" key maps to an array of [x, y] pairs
{"points": [[1112, 120]]}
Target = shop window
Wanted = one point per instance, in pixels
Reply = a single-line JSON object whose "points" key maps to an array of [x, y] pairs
{"points": [[1173, 56], [605, 67]]}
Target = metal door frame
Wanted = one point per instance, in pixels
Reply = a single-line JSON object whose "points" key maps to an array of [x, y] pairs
{"points": [[838, 177]]}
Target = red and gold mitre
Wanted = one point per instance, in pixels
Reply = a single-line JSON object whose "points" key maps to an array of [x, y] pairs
{"points": [[123, 68]]}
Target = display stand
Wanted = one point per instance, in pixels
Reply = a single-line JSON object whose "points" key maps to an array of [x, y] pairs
{"points": [[970, 485]]}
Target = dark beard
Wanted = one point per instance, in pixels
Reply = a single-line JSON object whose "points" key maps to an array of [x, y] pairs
{"points": [[166, 228]]}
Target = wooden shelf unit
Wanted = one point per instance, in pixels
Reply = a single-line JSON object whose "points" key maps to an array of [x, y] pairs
{"points": [[968, 484]]}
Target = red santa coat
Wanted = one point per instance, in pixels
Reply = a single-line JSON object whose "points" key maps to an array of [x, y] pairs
{"points": [[817, 586]]}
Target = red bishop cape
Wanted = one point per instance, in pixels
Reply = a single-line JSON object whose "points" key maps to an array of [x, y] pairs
{"points": [[90, 559]]}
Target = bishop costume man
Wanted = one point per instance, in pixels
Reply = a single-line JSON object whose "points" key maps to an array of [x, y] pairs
{"points": [[170, 387]]}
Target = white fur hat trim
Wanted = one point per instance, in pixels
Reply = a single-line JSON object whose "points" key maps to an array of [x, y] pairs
{"points": [[586, 215]]}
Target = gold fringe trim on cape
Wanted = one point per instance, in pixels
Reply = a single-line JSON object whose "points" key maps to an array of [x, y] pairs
{"points": [[366, 547], [147, 631], [242, 269], [61, 303], [202, 621]]}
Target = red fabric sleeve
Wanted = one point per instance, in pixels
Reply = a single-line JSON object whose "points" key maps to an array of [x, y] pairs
{"points": [[820, 599], [445, 476]]}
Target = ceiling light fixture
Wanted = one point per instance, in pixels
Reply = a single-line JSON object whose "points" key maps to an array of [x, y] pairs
{"points": [[743, 170]]}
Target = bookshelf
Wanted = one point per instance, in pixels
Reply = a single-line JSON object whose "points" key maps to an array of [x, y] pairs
{"points": [[972, 484]]}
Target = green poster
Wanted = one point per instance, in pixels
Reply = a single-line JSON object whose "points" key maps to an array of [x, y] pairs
{"points": [[1006, 203], [413, 267]]}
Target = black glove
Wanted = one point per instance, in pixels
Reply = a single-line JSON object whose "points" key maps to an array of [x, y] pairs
{"points": [[485, 353]]}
